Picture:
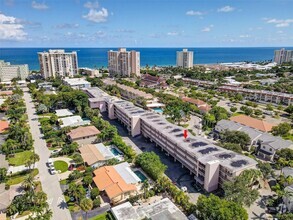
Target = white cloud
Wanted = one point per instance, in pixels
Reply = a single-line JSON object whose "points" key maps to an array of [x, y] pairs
{"points": [[66, 26], [279, 22], [207, 29], [194, 13], [172, 33], [10, 29], [226, 9], [97, 16], [91, 5], [39, 6], [245, 36]]}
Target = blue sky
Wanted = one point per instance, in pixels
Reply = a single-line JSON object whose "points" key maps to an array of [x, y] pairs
{"points": [[146, 23]]}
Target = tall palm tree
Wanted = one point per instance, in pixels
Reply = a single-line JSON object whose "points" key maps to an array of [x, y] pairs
{"points": [[145, 187], [28, 182], [34, 158], [86, 205]]}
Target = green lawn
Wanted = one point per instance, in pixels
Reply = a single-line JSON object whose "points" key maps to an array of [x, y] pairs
{"points": [[100, 217], [20, 158], [61, 165], [13, 180]]}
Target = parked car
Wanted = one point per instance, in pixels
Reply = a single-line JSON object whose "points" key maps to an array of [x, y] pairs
{"points": [[50, 163], [55, 151], [272, 210], [53, 171], [184, 188]]}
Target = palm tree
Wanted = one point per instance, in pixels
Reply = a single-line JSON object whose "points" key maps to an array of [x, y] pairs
{"points": [[86, 205], [28, 182], [34, 158], [145, 187]]}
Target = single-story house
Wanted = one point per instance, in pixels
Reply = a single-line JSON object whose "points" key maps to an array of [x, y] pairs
{"points": [[202, 106], [95, 155], [4, 125], [63, 112], [73, 121], [159, 210], [84, 135], [118, 182]]}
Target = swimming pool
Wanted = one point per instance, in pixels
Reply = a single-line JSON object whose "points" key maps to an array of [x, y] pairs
{"points": [[115, 151], [140, 175], [159, 110]]}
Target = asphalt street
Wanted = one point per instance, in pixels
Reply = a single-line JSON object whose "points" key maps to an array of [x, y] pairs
{"points": [[50, 183]]}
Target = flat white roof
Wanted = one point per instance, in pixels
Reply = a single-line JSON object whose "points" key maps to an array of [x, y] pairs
{"points": [[73, 121], [126, 173], [163, 209], [63, 112], [76, 81], [105, 151]]}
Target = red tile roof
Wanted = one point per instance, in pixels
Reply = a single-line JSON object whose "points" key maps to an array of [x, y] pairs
{"points": [[4, 125], [83, 132], [253, 122]]}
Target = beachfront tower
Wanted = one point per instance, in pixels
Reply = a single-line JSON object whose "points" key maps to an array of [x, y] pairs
{"points": [[123, 63], [283, 56], [184, 59], [58, 63]]}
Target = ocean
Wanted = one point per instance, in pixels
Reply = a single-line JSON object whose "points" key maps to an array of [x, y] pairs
{"points": [[97, 57]]}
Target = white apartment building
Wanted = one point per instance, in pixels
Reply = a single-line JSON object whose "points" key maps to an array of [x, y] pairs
{"points": [[58, 63], [282, 56], [8, 71], [124, 63], [184, 59], [76, 83], [210, 164]]}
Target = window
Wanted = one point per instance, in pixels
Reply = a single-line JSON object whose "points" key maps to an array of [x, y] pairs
{"points": [[264, 147], [271, 149]]}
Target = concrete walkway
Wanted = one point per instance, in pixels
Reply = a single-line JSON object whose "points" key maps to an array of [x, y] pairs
{"points": [[15, 169], [50, 183]]}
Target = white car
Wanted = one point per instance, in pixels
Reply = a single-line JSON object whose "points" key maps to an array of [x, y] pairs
{"points": [[53, 171], [184, 188], [50, 163]]}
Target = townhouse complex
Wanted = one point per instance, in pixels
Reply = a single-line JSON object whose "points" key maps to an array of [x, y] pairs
{"points": [[128, 92], [260, 95], [124, 63], [266, 144], [210, 164], [8, 71], [58, 63]]}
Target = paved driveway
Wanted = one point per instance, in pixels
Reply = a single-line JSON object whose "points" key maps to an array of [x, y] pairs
{"points": [[50, 183]]}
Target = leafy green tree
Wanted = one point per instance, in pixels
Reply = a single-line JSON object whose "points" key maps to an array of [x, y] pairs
{"points": [[95, 193], [42, 109], [77, 191], [87, 180], [233, 147], [213, 207], [233, 109], [240, 190], [235, 137], [3, 174], [265, 169], [281, 129], [86, 205], [151, 164], [289, 109], [285, 216]]}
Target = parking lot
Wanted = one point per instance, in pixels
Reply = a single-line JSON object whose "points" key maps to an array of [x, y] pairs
{"points": [[179, 176]]}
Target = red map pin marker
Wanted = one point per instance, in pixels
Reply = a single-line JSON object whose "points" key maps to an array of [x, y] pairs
{"points": [[185, 134]]}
